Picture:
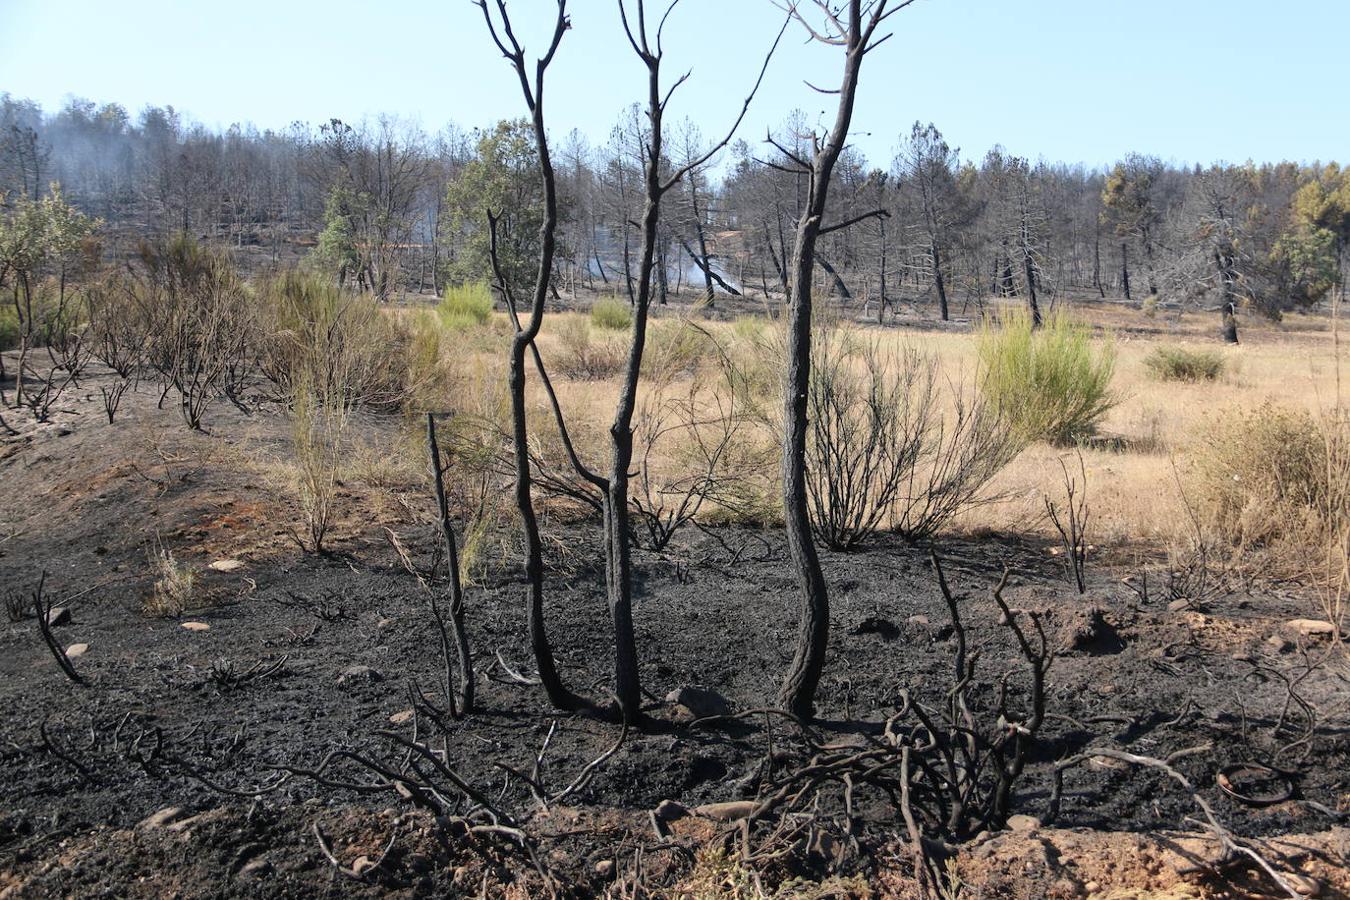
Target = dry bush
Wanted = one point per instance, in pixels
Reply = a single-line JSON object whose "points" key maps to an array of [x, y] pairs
{"points": [[582, 357], [611, 314], [337, 343], [465, 306], [881, 452], [1274, 484], [173, 588], [676, 348], [199, 318], [118, 326], [693, 441]]}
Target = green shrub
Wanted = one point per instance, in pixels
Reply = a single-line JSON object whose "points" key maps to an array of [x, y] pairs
{"points": [[465, 306], [1050, 383], [1184, 364], [611, 313]]}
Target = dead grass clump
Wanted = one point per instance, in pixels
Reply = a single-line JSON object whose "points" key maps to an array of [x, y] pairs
{"points": [[1184, 364], [1274, 483], [582, 357], [174, 583]]}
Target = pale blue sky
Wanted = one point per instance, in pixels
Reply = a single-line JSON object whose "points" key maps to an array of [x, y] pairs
{"points": [[1072, 80]]}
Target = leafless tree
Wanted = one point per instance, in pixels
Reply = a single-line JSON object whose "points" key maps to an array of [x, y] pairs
{"points": [[527, 329], [853, 28]]}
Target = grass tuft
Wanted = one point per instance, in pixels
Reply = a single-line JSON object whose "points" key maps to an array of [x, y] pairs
{"points": [[1184, 364]]}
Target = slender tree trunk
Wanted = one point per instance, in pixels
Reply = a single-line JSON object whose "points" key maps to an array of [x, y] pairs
{"points": [[839, 289], [1125, 269], [937, 280], [1228, 310], [803, 677]]}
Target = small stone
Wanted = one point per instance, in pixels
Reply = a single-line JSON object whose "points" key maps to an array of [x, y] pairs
{"points": [[402, 716], [196, 626], [1305, 886], [1179, 605], [1092, 887], [1023, 823], [226, 565], [258, 868], [162, 818], [604, 868], [1311, 627], [359, 673], [670, 810], [58, 615], [700, 701], [362, 865], [75, 650], [917, 621], [1107, 763], [728, 811], [1277, 644]]}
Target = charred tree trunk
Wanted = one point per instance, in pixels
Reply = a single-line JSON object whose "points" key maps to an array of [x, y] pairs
{"points": [[937, 280], [1125, 269], [1097, 263], [523, 340], [838, 288], [777, 262], [1223, 259], [1032, 303], [799, 686], [463, 704], [710, 275], [881, 275]]}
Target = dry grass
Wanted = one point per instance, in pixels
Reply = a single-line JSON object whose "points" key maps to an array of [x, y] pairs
{"points": [[174, 583], [1132, 469]]}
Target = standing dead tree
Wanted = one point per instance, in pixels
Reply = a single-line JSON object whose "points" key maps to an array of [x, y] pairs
{"points": [[657, 184], [463, 704], [527, 329], [852, 28]]}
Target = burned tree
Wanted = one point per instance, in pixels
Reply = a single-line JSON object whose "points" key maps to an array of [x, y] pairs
{"points": [[656, 184], [526, 330], [927, 169], [854, 30]]}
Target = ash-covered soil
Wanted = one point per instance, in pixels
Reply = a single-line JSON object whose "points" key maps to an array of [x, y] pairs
{"points": [[306, 655]]}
